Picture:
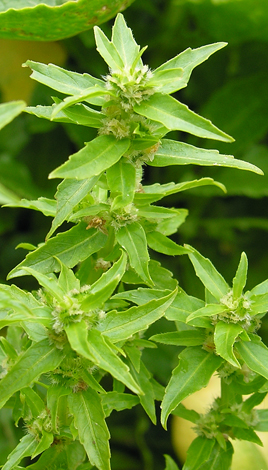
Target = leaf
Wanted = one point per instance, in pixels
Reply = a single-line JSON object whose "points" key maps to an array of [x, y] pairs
{"points": [[89, 95], [42, 204], [121, 179], [209, 276], [186, 61], [8, 111], [69, 247], [133, 239], [92, 430], [240, 278], [157, 212], [258, 303], [189, 415], [247, 435], [195, 368], [208, 311], [83, 115], [159, 242], [54, 394], [119, 326], [52, 20], [25, 448], [44, 443], [199, 452], [40, 358], [224, 338], [255, 356], [177, 116], [262, 423], [108, 50], [33, 400], [124, 42], [147, 398], [181, 338], [170, 464], [94, 346], [172, 152], [118, 401], [69, 194], [98, 155], [103, 288]]}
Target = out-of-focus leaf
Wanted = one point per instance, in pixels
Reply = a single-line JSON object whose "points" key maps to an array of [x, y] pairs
{"points": [[8, 111], [25, 448]]}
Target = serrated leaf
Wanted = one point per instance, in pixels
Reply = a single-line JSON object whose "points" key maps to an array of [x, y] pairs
{"points": [[69, 194], [119, 326], [40, 358], [25, 448], [240, 278], [255, 356], [121, 179], [92, 430], [69, 247], [172, 152], [195, 368], [103, 288], [8, 111], [207, 273], [95, 347], [160, 243], [97, 155], [186, 61], [224, 338], [123, 40], [107, 50], [133, 239], [181, 338], [177, 116]]}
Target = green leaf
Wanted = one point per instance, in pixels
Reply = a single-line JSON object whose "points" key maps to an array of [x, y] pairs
{"points": [[170, 464], [121, 179], [181, 338], [89, 421], [33, 400], [177, 116], [118, 401], [54, 394], [199, 452], [240, 278], [261, 288], [157, 212], [119, 326], [124, 42], [93, 159], [189, 415], [255, 356], [133, 239], [40, 358], [147, 398], [185, 61], [160, 243], [258, 303], [52, 20], [83, 115], [103, 288], [89, 95], [172, 152], [224, 338], [108, 50], [208, 311], [69, 247], [247, 435], [25, 448], [207, 273], [195, 368], [262, 424], [42, 204], [44, 443], [8, 111], [94, 346]]}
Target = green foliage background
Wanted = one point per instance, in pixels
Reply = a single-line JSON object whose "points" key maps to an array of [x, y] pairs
{"points": [[231, 90]]}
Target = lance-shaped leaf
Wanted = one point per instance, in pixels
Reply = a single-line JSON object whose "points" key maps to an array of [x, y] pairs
{"points": [[93, 159], [261, 288], [258, 303], [8, 111], [162, 244], [147, 398], [181, 338], [177, 116], [25, 448], [209, 276], [195, 368], [118, 401], [69, 194], [40, 358], [98, 349], [54, 394], [87, 95], [42, 204], [49, 282], [240, 278], [186, 61], [172, 152], [89, 421], [157, 212], [133, 239], [67, 280], [103, 288], [207, 454], [125, 44], [119, 326], [69, 247], [170, 464], [255, 356], [121, 179], [224, 338], [108, 50], [44, 443], [208, 311], [64, 81]]}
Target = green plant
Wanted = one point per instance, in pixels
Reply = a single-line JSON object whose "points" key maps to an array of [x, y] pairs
{"points": [[72, 350]]}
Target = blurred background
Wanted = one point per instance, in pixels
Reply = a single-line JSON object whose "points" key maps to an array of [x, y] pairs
{"points": [[231, 89]]}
